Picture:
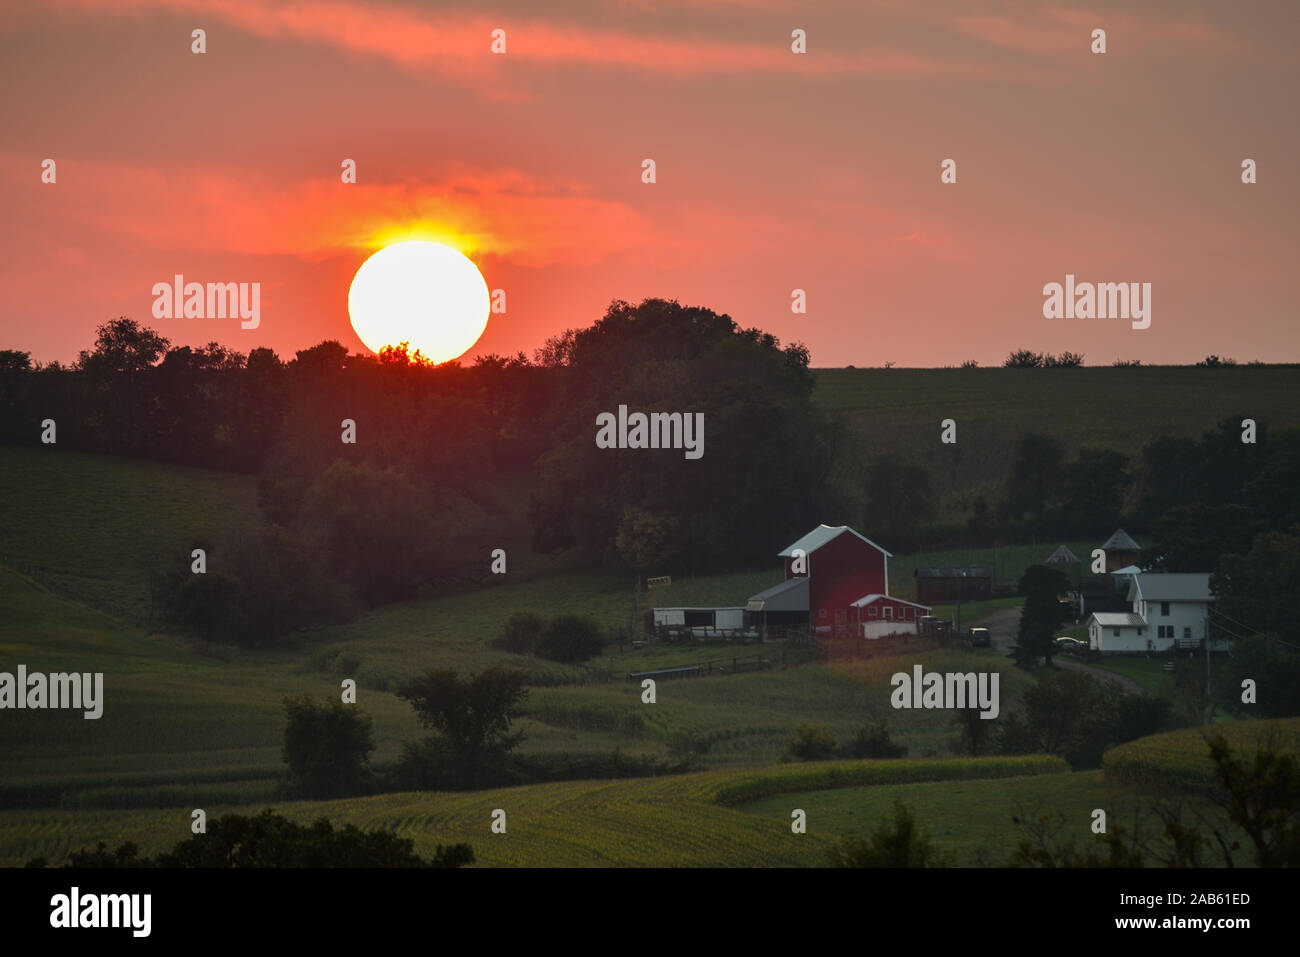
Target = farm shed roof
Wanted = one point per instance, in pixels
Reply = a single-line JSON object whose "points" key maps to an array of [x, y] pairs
{"points": [[1120, 541], [790, 595], [822, 534], [1118, 618], [954, 571], [1171, 586], [868, 599]]}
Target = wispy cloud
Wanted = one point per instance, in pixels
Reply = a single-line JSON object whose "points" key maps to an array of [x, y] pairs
{"points": [[425, 41]]}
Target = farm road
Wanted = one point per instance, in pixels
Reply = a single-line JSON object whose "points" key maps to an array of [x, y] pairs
{"points": [[1003, 623]]}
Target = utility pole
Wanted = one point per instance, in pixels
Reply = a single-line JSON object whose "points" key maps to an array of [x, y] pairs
{"points": [[1205, 628], [636, 607]]}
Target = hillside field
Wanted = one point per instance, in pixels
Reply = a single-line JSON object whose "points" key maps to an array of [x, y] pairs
{"points": [[191, 725]]}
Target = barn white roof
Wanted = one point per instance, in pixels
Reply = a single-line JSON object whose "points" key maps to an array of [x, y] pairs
{"points": [[822, 534], [868, 599]]}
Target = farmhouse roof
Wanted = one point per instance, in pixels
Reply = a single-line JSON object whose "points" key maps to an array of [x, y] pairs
{"points": [[868, 599], [790, 595], [822, 534], [1120, 541], [954, 571], [1063, 556], [1109, 619], [1171, 586]]}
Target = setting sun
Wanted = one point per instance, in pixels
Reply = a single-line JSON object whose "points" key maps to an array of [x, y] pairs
{"points": [[422, 293]]}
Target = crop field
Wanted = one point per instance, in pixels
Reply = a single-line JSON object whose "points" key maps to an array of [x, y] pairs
{"points": [[677, 821], [901, 409], [1179, 759], [181, 727]]}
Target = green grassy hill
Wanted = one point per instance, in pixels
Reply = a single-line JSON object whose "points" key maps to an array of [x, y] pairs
{"points": [[1120, 408]]}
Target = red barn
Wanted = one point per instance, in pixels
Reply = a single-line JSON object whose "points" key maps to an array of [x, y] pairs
{"points": [[841, 566]]}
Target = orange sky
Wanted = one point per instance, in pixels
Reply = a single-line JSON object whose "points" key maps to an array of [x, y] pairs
{"points": [[776, 171]]}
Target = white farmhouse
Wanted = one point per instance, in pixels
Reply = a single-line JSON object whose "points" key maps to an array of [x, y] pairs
{"points": [[1169, 611]]}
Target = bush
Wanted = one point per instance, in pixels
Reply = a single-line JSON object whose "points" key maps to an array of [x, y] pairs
{"points": [[327, 748], [811, 742], [1066, 360], [269, 840], [520, 633], [873, 741], [1024, 359], [472, 717], [900, 844], [569, 639]]}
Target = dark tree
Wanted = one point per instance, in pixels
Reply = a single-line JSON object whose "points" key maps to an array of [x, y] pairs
{"points": [[123, 345], [1095, 484], [1192, 538], [1037, 467], [1263, 799], [1255, 592], [472, 715], [327, 747], [1042, 587], [377, 527], [899, 498]]}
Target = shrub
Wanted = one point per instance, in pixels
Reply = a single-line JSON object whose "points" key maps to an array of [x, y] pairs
{"points": [[1066, 360], [520, 633], [1024, 359], [873, 741], [327, 748], [811, 742], [569, 639], [269, 840], [900, 844]]}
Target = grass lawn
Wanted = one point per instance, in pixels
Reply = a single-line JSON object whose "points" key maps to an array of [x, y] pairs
{"points": [[1149, 672]]}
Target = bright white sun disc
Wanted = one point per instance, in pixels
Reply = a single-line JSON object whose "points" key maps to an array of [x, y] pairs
{"points": [[422, 293]]}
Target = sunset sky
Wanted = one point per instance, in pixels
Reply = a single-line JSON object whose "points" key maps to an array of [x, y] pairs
{"points": [[775, 170]]}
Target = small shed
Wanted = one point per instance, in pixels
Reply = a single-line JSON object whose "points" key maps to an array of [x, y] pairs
{"points": [[877, 615], [936, 584]]}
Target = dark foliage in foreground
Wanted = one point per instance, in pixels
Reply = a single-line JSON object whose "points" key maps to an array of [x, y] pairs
{"points": [[269, 840]]}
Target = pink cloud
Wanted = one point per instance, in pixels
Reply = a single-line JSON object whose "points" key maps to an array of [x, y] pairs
{"points": [[421, 42]]}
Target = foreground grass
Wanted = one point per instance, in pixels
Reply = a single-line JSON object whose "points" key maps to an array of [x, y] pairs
{"points": [[1148, 672]]}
